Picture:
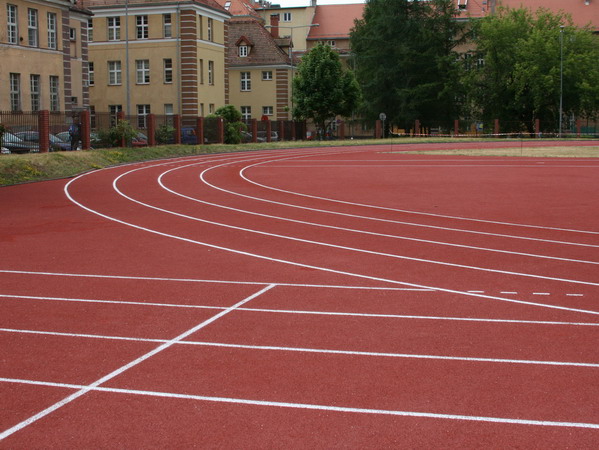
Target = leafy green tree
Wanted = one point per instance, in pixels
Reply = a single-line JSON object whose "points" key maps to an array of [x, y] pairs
{"points": [[233, 124], [405, 59], [322, 90], [520, 78]]}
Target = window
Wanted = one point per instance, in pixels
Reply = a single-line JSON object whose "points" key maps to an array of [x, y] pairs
{"points": [[267, 75], [54, 94], [243, 51], [201, 71], [287, 17], [142, 113], [168, 109], [246, 112], [201, 110], [209, 28], [90, 73], [142, 27], [72, 34], [143, 71], [114, 110], [34, 87], [15, 92], [200, 27], [114, 73], [90, 30], [462, 4], [167, 26], [331, 44], [227, 5], [92, 117], [12, 24], [211, 73], [168, 70], [52, 31], [114, 28], [246, 81], [32, 31], [211, 108], [267, 110]]}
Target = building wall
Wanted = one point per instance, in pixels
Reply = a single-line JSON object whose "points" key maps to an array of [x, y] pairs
{"points": [[301, 18], [189, 49], [66, 61]]}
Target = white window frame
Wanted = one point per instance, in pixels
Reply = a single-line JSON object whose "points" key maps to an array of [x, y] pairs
{"points": [[35, 90], [115, 77], [114, 28], [12, 24], [246, 81], [142, 116], [90, 30], [210, 30], [54, 93], [142, 27], [91, 76], [243, 51], [33, 27], [168, 70], [246, 113], [267, 111], [113, 111], [167, 25], [211, 73], [142, 71], [287, 17], [15, 91], [267, 75], [52, 31]]}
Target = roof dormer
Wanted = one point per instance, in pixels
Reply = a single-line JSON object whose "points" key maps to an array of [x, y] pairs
{"points": [[244, 46]]}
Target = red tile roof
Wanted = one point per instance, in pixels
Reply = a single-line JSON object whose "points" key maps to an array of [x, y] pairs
{"points": [[581, 13], [240, 7], [335, 21], [265, 50]]}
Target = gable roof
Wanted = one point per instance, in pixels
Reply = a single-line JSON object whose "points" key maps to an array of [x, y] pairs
{"points": [[265, 50], [239, 7], [335, 21], [582, 14]]}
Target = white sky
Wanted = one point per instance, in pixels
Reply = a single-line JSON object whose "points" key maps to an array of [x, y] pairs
{"points": [[291, 3]]}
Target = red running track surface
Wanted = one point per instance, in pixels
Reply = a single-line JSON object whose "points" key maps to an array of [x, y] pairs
{"points": [[344, 297]]}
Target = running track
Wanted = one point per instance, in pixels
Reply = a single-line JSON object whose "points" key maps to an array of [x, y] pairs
{"points": [[344, 297]]}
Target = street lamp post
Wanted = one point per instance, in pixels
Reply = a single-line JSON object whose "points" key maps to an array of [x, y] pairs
{"points": [[561, 77]]}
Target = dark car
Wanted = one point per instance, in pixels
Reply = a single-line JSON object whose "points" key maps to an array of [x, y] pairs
{"points": [[274, 136], [56, 144], [188, 136], [17, 145], [64, 136]]}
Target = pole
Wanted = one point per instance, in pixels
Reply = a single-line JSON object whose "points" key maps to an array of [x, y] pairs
{"points": [[127, 87], [561, 77]]}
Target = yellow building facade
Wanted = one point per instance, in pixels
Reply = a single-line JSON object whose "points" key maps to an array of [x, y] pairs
{"points": [[158, 57], [43, 49]]}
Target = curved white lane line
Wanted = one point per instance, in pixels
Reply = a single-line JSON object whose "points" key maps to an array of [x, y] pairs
{"points": [[296, 264], [352, 230], [341, 247], [375, 219], [242, 174]]}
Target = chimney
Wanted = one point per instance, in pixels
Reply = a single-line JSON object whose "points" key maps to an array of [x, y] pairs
{"points": [[274, 25]]}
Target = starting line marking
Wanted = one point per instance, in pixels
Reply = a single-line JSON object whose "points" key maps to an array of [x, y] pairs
{"points": [[85, 389], [308, 406]]}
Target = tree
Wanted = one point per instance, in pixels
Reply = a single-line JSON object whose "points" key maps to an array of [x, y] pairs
{"points": [[519, 81], [322, 90], [233, 124], [405, 60]]}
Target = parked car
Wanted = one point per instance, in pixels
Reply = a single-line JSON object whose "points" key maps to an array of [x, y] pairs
{"points": [[56, 144], [141, 140], [188, 136], [4, 151], [17, 145], [274, 136], [64, 136]]}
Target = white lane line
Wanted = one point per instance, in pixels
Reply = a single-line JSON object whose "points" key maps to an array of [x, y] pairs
{"points": [[242, 174], [351, 230], [308, 266], [315, 350], [575, 295], [508, 293], [541, 293], [340, 247], [314, 407], [306, 312], [120, 370], [345, 166], [199, 280], [397, 222]]}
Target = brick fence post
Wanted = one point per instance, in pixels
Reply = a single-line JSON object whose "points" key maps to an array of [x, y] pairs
{"points": [[43, 125], [417, 127], [496, 127], [220, 123], [254, 125], [85, 119], [151, 122], [537, 128], [268, 131], [378, 128], [342, 130], [121, 116], [177, 126], [456, 127], [281, 130], [200, 130]]}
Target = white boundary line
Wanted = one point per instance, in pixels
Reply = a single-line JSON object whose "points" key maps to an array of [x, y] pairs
{"points": [[85, 389], [313, 350], [340, 247], [296, 264], [352, 230], [241, 173], [301, 312], [308, 406]]}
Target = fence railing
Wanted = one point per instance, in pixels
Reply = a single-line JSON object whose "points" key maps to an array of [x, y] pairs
{"points": [[97, 130]]}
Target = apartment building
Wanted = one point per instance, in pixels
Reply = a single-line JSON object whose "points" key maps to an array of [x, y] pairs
{"points": [[43, 47], [163, 57]]}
